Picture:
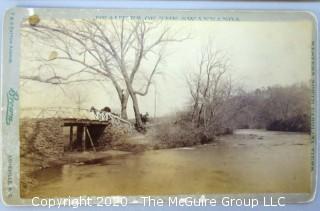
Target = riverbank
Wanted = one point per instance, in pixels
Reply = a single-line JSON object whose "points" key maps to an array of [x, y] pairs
{"points": [[120, 144], [249, 161], [37, 140]]}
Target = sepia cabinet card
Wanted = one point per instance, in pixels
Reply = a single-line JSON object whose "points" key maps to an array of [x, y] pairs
{"points": [[130, 104]]}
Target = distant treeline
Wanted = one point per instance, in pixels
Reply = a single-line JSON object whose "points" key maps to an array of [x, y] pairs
{"points": [[281, 108], [218, 106], [218, 109]]}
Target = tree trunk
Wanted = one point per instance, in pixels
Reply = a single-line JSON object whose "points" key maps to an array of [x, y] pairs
{"points": [[139, 123], [124, 114], [195, 108], [124, 102], [199, 116]]}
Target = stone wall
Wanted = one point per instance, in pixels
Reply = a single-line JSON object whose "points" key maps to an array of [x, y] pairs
{"points": [[41, 146]]}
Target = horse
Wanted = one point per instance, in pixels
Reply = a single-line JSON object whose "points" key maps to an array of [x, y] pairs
{"points": [[106, 109], [101, 114], [95, 111]]}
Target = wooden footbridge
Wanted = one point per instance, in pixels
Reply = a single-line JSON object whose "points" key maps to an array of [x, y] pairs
{"points": [[87, 131], [85, 127]]}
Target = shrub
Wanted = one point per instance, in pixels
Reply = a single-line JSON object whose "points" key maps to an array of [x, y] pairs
{"points": [[180, 134], [299, 123]]}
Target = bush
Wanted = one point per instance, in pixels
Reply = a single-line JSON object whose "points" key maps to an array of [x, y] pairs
{"points": [[299, 123], [179, 134]]}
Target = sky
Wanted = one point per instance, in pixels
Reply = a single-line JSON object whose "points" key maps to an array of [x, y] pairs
{"points": [[261, 54]]}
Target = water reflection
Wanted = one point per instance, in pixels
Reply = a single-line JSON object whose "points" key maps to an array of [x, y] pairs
{"points": [[246, 162]]}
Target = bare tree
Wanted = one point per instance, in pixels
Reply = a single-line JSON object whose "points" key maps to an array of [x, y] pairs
{"points": [[108, 49], [209, 88]]}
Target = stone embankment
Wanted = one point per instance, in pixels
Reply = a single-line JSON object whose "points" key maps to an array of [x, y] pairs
{"points": [[41, 146]]}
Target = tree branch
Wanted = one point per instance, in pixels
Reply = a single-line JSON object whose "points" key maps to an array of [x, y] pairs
{"points": [[145, 92]]}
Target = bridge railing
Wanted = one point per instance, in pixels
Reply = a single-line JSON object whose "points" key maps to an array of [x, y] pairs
{"points": [[70, 112]]}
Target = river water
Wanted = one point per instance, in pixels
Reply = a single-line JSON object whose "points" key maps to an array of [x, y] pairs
{"points": [[249, 161]]}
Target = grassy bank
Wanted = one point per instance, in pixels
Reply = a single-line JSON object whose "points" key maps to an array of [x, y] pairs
{"points": [[174, 135]]}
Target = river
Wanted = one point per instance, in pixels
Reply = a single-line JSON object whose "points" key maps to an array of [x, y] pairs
{"points": [[249, 161]]}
